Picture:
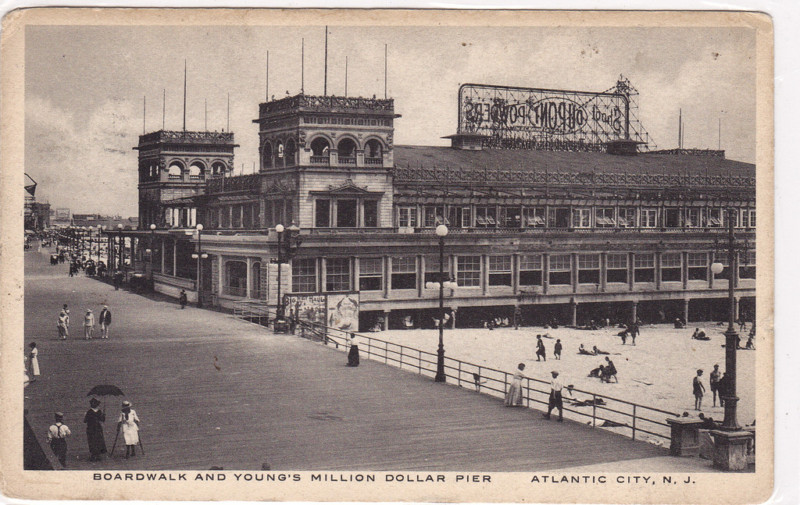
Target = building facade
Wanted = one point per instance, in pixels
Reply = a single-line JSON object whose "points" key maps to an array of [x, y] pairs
{"points": [[567, 235]]}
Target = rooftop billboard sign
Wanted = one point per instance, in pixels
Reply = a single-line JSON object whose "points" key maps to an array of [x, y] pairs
{"points": [[542, 119]]}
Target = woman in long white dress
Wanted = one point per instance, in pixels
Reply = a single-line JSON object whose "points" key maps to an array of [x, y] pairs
{"points": [[129, 424], [33, 359], [514, 395]]}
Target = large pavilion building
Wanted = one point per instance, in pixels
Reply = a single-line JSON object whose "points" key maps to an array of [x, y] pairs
{"points": [[567, 221]]}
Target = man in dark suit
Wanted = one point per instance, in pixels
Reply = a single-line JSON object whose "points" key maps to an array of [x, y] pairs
{"points": [[105, 321]]}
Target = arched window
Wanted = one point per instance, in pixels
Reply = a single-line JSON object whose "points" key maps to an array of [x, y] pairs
{"points": [[197, 171], [320, 151], [218, 168], [347, 151], [235, 278], [373, 154], [279, 152], [175, 170], [255, 290], [290, 152], [266, 155]]}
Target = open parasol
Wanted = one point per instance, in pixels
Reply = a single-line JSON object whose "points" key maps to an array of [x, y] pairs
{"points": [[105, 390]]}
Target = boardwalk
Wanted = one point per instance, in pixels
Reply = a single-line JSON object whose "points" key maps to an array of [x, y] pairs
{"points": [[276, 399]]}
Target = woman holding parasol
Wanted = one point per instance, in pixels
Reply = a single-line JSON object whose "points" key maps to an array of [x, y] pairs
{"points": [[94, 420]]}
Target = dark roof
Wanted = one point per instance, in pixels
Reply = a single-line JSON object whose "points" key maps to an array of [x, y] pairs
{"points": [[561, 161]]}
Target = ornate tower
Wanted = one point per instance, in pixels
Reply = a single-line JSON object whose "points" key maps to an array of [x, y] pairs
{"points": [[316, 151], [175, 165]]}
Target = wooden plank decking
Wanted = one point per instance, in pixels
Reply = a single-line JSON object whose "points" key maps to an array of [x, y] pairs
{"points": [[277, 399]]}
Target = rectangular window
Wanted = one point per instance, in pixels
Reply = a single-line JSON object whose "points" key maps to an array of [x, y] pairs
{"points": [[500, 270], [617, 268], [370, 213], [560, 269], [370, 274], [256, 215], [752, 214], [530, 270], [694, 217], [672, 217], [407, 217], [604, 217], [337, 275], [588, 269], [434, 216], [648, 218], [236, 217], [747, 265], [627, 217], [288, 217], [225, 216], [671, 267], [697, 264], [644, 268], [247, 217], [304, 275], [458, 217], [322, 214], [485, 217], [582, 218], [432, 271], [510, 217], [404, 272], [559, 217], [715, 218], [346, 214], [469, 271], [535, 217]]}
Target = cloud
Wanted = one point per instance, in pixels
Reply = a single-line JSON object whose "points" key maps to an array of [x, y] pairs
{"points": [[84, 165]]}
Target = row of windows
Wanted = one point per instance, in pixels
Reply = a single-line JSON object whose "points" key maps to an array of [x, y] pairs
{"points": [[493, 216], [468, 269], [243, 215], [345, 213], [346, 121]]}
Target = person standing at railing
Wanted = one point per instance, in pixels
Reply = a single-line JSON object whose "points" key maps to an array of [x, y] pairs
{"points": [[352, 356], [514, 395], [555, 397]]}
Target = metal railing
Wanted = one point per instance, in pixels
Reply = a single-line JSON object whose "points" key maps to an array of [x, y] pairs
{"points": [[600, 410]]}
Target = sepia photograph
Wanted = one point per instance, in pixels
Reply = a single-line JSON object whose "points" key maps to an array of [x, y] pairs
{"points": [[389, 255]]}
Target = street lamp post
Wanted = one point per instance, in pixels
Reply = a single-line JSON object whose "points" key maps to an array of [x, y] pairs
{"points": [[121, 258], [152, 248], [441, 232], [199, 255], [279, 309], [730, 452]]}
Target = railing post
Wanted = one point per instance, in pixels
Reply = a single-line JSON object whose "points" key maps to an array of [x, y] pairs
{"points": [[594, 409], [419, 362], [459, 373], [505, 382], [401, 357], [386, 352], [369, 347], [633, 435]]}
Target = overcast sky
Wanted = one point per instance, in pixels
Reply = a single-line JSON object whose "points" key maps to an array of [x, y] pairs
{"points": [[85, 86]]}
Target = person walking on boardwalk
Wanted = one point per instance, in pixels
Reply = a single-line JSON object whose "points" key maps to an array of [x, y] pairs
{"points": [[698, 389], [714, 383], [33, 361], [57, 438], [634, 332], [353, 358], [94, 420], [105, 321], [555, 397], [182, 299], [514, 395], [88, 325], [63, 323], [540, 351], [557, 349], [517, 317], [128, 423]]}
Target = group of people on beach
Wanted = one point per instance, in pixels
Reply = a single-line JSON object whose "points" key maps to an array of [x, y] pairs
{"points": [[719, 383], [127, 424]]}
